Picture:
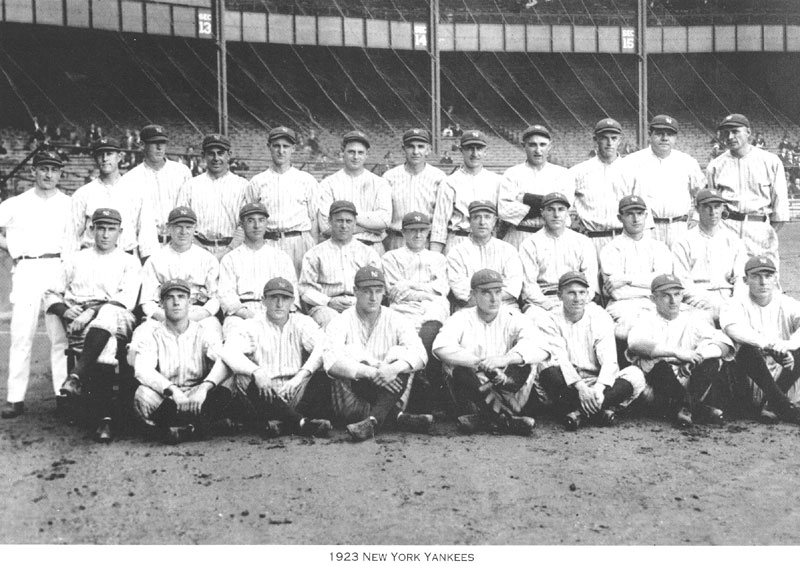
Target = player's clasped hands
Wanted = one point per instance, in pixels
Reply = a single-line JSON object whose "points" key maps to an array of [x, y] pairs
{"points": [[386, 378], [81, 321]]}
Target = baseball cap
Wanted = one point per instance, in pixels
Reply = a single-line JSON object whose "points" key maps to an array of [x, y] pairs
{"points": [[553, 197], [734, 120], [182, 213], [416, 134], [174, 284], [47, 158], [572, 276], [759, 263], [665, 282], [106, 215], [105, 144], [662, 121], [282, 133], [607, 124], [486, 278], [253, 208], [473, 137], [342, 205], [482, 205], [153, 134], [370, 276], [358, 136], [706, 196], [631, 202], [416, 219], [535, 130], [278, 286], [216, 140]]}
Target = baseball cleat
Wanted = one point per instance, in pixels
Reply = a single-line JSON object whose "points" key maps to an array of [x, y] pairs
{"points": [[683, 418], [469, 424], [104, 434], [710, 415], [315, 427], [71, 386], [790, 414], [12, 410], [607, 417], [362, 430], [175, 435], [274, 429], [573, 420], [522, 426], [414, 423], [768, 416]]}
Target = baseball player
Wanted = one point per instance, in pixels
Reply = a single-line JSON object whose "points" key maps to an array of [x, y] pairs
{"points": [[371, 353], [709, 259], [369, 193], [138, 230], [266, 356], [753, 183], [157, 178], [289, 195], [586, 385], [181, 258], [94, 296], [176, 364], [34, 224], [216, 197], [764, 324], [482, 250], [523, 185], [413, 185], [666, 178], [628, 264], [490, 356], [679, 353], [552, 251], [470, 183], [244, 270], [326, 279]]}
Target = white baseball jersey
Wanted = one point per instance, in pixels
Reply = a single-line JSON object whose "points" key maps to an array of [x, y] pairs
{"points": [[640, 260], [244, 272], [329, 270], [412, 192], [456, 193], [216, 202], [427, 268], [159, 188], [368, 192], [289, 198], [598, 188], [468, 258], [35, 225]]}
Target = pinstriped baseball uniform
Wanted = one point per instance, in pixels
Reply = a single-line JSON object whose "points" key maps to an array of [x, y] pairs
{"points": [[348, 342], [138, 222], [290, 199], [369, 192], [217, 203], [753, 184], [196, 266], [468, 258], [159, 188], [545, 258], [456, 193], [668, 186], [524, 179], [410, 193], [403, 266]]}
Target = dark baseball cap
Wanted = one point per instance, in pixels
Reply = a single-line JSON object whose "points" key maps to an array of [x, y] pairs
{"points": [[105, 144], [47, 158], [416, 219], [664, 122], [353, 136], [342, 205], [631, 202], [473, 137], [182, 213], [553, 197], [153, 134], [572, 276], [216, 140], [279, 286], [535, 130], [665, 282], [174, 284], [486, 278], [482, 205], [416, 134], [370, 276], [734, 120], [282, 132], [253, 208], [706, 196], [759, 263], [106, 215], [607, 124]]}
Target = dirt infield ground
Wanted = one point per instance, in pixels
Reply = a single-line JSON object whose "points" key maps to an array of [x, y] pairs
{"points": [[642, 482]]}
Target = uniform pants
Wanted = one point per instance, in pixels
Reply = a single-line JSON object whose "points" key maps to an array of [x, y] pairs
{"points": [[154, 410], [567, 399], [750, 362], [697, 391], [468, 386], [355, 400], [428, 392]]}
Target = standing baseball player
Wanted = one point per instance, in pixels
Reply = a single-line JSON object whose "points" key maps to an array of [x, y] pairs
{"points": [[523, 186], [289, 195], [413, 185], [138, 230], [667, 179], [753, 183], [369, 193], [470, 183], [216, 197], [35, 227]]}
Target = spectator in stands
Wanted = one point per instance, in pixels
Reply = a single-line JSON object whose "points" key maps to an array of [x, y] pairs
{"points": [[446, 158], [794, 188], [238, 166], [761, 143], [37, 135], [3, 150], [785, 144], [313, 143], [447, 131], [457, 131], [716, 149], [785, 156]]}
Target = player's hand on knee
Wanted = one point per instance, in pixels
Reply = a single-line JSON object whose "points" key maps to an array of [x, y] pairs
{"points": [[196, 400], [81, 321], [73, 312], [181, 399]]}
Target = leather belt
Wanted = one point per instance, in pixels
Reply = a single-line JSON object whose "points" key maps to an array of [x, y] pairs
{"points": [[249, 300], [221, 242], [278, 235], [163, 239], [552, 292], [369, 243], [44, 256], [460, 232], [607, 233], [527, 229], [701, 281], [737, 216], [670, 219]]}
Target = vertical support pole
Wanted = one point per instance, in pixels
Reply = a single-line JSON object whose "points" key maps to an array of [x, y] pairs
{"points": [[436, 84], [642, 49], [218, 22]]}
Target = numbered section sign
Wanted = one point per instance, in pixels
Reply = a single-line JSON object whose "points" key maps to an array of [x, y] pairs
{"points": [[204, 28], [628, 39]]}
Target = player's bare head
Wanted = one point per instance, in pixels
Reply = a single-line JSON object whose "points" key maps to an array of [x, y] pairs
{"points": [[47, 169], [710, 207], [667, 294], [370, 287], [734, 132], [537, 142], [486, 287], [632, 214], [416, 228], [416, 145], [482, 218], [155, 142], [761, 277], [342, 215], [555, 211], [106, 227], [107, 154], [281, 142], [474, 148], [573, 291], [175, 295], [253, 219], [607, 137], [663, 131], [278, 297]]}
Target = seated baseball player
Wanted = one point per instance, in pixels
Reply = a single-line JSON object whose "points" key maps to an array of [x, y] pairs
{"points": [[371, 352], [549, 253], [94, 297], [244, 270], [181, 258], [176, 364], [586, 386], [490, 355], [709, 259], [629, 263], [764, 324], [679, 353], [416, 279], [326, 278], [266, 355], [482, 250]]}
